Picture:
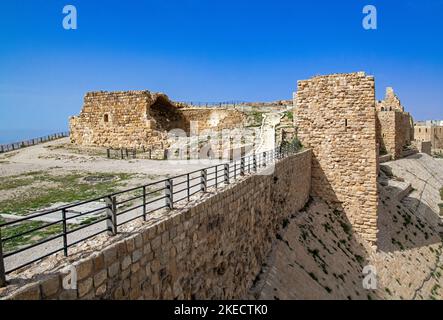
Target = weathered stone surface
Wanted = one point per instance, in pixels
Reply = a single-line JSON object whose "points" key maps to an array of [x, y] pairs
{"points": [[50, 286], [84, 268], [84, 287], [221, 242], [335, 116], [100, 277], [395, 127], [141, 120], [28, 292]]}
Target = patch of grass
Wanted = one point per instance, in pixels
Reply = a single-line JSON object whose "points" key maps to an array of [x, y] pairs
{"points": [[257, 117], [67, 188], [16, 181], [289, 115], [29, 238]]}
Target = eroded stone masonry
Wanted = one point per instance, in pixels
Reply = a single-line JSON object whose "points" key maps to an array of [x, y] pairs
{"points": [[214, 249], [142, 120], [395, 127], [335, 116]]}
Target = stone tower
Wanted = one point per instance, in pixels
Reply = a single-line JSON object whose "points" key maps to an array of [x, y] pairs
{"points": [[336, 117]]}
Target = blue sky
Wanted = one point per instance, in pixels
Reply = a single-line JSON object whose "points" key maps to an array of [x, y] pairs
{"points": [[210, 51]]}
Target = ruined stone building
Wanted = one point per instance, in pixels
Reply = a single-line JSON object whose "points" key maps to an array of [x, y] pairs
{"points": [[395, 127], [335, 116], [141, 119], [429, 132]]}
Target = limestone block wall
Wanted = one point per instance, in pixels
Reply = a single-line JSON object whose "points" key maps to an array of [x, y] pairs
{"points": [[390, 103], [395, 131], [335, 116], [133, 119], [423, 146], [212, 249], [431, 133]]}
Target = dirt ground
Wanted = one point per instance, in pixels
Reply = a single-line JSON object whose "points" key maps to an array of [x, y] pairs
{"points": [[59, 154]]}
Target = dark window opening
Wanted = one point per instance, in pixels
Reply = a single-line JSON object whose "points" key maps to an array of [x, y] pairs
{"points": [[106, 118]]}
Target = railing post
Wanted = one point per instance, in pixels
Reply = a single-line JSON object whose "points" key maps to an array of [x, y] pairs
{"points": [[169, 194], [235, 170], [264, 159], [216, 176], [188, 186], [242, 166], [65, 233], [2, 264], [204, 179], [226, 173], [254, 162], [111, 214], [144, 203]]}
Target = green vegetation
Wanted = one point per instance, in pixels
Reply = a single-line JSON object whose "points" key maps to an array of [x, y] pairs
{"points": [[294, 142], [289, 115], [59, 188], [29, 238], [258, 117]]}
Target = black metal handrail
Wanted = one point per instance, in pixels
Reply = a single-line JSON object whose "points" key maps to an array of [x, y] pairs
{"points": [[132, 203]]}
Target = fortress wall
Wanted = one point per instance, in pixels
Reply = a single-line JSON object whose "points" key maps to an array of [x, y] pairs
{"points": [[335, 116], [394, 131], [123, 119], [434, 134], [212, 249]]}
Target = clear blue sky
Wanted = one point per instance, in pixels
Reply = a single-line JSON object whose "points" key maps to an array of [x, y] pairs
{"points": [[210, 51]]}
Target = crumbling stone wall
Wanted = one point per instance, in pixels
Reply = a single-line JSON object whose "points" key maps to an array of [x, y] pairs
{"points": [[395, 127], [394, 132], [133, 119], [432, 133], [212, 249], [423, 146], [335, 116], [390, 103], [141, 120]]}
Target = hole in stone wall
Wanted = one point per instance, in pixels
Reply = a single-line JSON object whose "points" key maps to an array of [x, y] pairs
{"points": [[106, 118]]}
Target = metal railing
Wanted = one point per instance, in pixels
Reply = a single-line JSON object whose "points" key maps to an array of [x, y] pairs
{"points": [[31, 142], [122, 153], [74, 223]]}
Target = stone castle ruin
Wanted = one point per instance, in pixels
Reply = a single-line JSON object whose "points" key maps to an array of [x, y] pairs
{"points": [[336, 115], [142, 120], [228, 233], [395, 127]]}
